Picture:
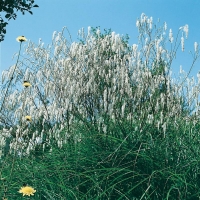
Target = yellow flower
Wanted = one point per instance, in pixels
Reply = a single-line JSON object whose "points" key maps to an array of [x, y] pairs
{"points": [[26, 84], [21, 39], [27, 191], [28, 118]]}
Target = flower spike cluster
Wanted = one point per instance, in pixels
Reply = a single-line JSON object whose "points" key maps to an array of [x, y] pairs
{"points": [[97, 70]]}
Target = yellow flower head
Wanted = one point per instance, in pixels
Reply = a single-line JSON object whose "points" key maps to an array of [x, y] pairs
{"points": [[21, 39], [27, 191], [28, 118], [26, 84]]}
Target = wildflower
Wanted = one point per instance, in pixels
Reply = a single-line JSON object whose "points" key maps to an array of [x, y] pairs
{"points": [[21, 39], [27, 191], [26, 84], [28, 118]]}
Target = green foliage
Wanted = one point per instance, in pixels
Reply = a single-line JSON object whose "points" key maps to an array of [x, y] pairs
{"points": [[9, 6], [107, 32], [108, 167]]}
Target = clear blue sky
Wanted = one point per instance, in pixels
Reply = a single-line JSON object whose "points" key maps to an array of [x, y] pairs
{"points": [[119, 15]]}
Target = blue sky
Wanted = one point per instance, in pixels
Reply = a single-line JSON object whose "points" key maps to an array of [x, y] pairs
{"points": [[119, 15]]}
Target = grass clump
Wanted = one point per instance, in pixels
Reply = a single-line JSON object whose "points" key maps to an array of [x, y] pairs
{"points": [[107, 121]]}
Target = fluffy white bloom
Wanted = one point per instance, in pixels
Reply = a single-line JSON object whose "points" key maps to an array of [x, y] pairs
{"points": [[10, 72], [195, 46], [20, 140], [104, 128], [134, 47], [182, 43], [158, 55], [2, 142], [57, 38], [39, 75], [38, 140], [146, 40], [150, 22], [165, 26], [137, 23], [186, 30], [171, 36], [198, 76], [143, 17], [26, 74], [56, 50], [164, 128], [81, 33], [40, 40], [123, 107], [161, 117], [181, 70], [98, 32], [117, 39], [113, 37], [157, 44], [47, 56], [4, 74], [54, 33], [89, 30]]}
